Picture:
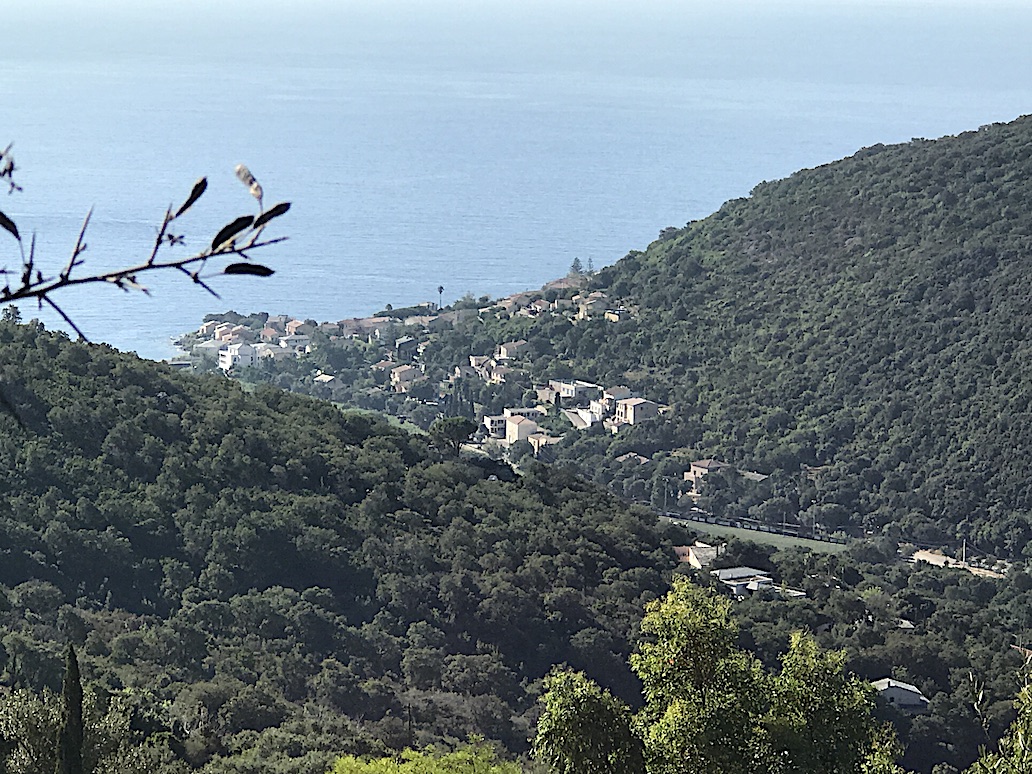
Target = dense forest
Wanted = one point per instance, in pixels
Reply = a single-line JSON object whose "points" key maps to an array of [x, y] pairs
{"points": [[868, 319], [264, 575], [870, 316]]}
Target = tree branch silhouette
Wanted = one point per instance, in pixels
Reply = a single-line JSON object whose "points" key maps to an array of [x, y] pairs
{"points": [[236, 240], [229, 253]]}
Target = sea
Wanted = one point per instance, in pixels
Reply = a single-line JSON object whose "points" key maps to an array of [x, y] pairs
{"points": [[478, 147]]}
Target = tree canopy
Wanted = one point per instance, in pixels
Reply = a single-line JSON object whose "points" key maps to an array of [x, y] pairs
{"points": [[274, 574], [710, 706]]}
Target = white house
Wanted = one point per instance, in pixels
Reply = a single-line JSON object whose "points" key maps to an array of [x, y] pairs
{"points": [[575, 390], [902, 695], [744, 580], [208, 349], [519, 429], [222, 330], [495, 424], [403, 377], [237, 356], [580, 418], [512, 349], [633, 411], [295, 341]]}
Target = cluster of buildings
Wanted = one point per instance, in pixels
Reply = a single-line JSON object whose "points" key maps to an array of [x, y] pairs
{"points": [[497, 368], [585, 404], [238, 346], [581, 403], [581, 306], [233, 345]]}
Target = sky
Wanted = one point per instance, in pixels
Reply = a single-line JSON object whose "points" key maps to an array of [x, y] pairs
{"points": [[852, 39]]}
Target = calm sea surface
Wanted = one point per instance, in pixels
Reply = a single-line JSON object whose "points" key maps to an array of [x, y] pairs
{"points": [[413, 160]]}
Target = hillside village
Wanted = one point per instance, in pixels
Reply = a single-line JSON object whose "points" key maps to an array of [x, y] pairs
{"points": [[394, 343], [392, 362]]}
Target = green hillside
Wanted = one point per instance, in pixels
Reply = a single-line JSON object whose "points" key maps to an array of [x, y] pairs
{"points": [[258, 581], [267, 576], [869, 318]]}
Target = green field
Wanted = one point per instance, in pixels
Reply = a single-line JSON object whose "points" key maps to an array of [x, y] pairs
{"points": [[767, 538]]}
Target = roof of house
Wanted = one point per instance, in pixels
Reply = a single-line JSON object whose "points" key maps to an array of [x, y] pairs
{"points": [[887, 682], [704, 554], [708, 464], [752, 475], [739, 573], [404, 370], [640, 459], [575, 419], [543, 438]]}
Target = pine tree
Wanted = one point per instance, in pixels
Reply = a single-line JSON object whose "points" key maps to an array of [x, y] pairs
{"points": [[69, 734]]}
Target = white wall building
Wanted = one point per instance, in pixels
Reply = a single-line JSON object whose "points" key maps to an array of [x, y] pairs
{"points": [[240, 355]]}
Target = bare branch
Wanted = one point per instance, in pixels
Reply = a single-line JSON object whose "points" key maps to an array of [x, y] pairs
{"points": [[80, 246], [196, 277], [169, 217], [66, 318]]}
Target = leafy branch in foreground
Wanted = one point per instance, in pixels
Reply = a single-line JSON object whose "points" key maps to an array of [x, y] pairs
{"points": [[234, 240]]}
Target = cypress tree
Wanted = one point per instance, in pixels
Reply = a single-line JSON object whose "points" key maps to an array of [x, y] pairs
{"points": [[69, 734]]}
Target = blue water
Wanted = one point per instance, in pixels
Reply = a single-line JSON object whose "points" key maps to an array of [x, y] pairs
{"points": [[482, 150]]}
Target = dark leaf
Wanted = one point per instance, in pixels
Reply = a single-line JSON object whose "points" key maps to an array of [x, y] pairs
{"points": [[254, 269], [231, 230], [199, 188], [271, 213], [8, 224]]}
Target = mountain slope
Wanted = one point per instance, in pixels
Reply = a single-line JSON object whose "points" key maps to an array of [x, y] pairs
{"points": [[870, 318], [265, 572]]}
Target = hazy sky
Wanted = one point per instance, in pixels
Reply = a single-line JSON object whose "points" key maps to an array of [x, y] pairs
{"points": [[848, 40]]}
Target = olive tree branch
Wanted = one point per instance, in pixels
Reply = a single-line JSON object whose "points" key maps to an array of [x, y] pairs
{"points": [[234, 240]]}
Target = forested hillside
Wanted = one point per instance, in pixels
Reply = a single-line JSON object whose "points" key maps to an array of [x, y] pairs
{"points": [[261, 581], [869, 319], [266, 577]]}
